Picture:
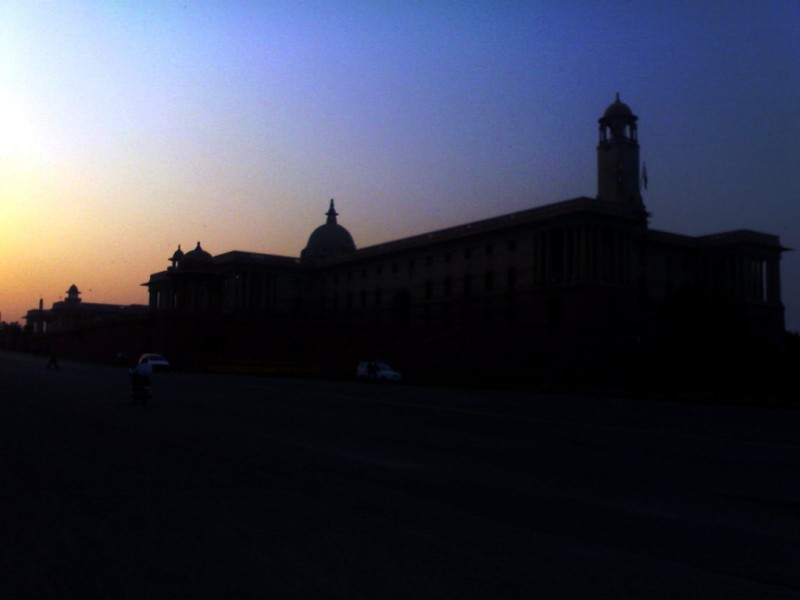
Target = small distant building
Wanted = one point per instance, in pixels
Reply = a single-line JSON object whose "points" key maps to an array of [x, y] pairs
{"points": [[73, 313]]}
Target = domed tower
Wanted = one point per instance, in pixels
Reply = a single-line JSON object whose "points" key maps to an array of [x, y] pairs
{"points": [[618, 156], [330, 239], [177, 257], [73, 295]]}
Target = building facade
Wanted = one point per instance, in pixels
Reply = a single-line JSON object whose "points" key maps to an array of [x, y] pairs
{"points": [[583, 281]]}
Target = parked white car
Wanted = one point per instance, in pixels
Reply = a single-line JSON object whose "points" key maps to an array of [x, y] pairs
{"points": [[156, 361], [377, 370]]}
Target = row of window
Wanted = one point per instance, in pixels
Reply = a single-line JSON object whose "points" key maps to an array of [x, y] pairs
{"points": [[428, 261], [430, 289]]}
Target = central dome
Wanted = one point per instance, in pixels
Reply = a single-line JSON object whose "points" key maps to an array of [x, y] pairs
{"points": [[330, 239]]}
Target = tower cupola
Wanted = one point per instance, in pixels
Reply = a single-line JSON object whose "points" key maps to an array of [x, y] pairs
{"points": [[73, 295], [177, 257], [618, 156]]}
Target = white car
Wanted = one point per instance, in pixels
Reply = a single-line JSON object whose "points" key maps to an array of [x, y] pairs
{"points": [[377, 370], [157, 361]]}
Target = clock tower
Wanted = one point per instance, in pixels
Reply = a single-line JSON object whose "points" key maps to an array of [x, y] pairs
{"points": [[618, 157]]}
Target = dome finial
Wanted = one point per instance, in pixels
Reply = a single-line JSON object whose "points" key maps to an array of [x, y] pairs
{"points": [[617, 96], [332, 214]]}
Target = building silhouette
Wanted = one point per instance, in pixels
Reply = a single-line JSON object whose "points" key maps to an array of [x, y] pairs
{"points": [[583, 286], [72, 313]]}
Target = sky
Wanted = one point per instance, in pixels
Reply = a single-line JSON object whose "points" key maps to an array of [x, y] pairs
{"points": [[127, 128]]}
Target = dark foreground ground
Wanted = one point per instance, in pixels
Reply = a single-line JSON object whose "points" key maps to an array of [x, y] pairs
{"points": [[258, 488]]}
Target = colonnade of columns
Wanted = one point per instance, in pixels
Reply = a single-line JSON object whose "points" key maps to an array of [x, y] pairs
{"points": [[245, 291], [238, 292], [583, 253], [753, 278]]}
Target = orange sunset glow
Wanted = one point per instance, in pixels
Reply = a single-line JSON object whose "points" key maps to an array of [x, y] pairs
{"points": [[127, 129]]}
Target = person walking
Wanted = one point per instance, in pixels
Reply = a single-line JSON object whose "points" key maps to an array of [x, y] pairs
{"points": [[53, 362]]}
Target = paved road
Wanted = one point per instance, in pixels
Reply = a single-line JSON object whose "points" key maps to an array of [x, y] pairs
{"points": [[259, 488]]}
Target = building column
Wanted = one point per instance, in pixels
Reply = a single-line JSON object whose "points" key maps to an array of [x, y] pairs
{"points": [[584, 253], [773, 281], [546, 256], [576, 268]]}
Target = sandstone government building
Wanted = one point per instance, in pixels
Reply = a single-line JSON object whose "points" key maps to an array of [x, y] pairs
{"points": [[577, 287]]}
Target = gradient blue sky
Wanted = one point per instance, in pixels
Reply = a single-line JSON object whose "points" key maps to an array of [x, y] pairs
{"points": [[127, 128]]}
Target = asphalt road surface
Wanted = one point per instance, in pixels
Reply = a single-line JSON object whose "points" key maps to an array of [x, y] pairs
{"points": [[239, 487]]}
